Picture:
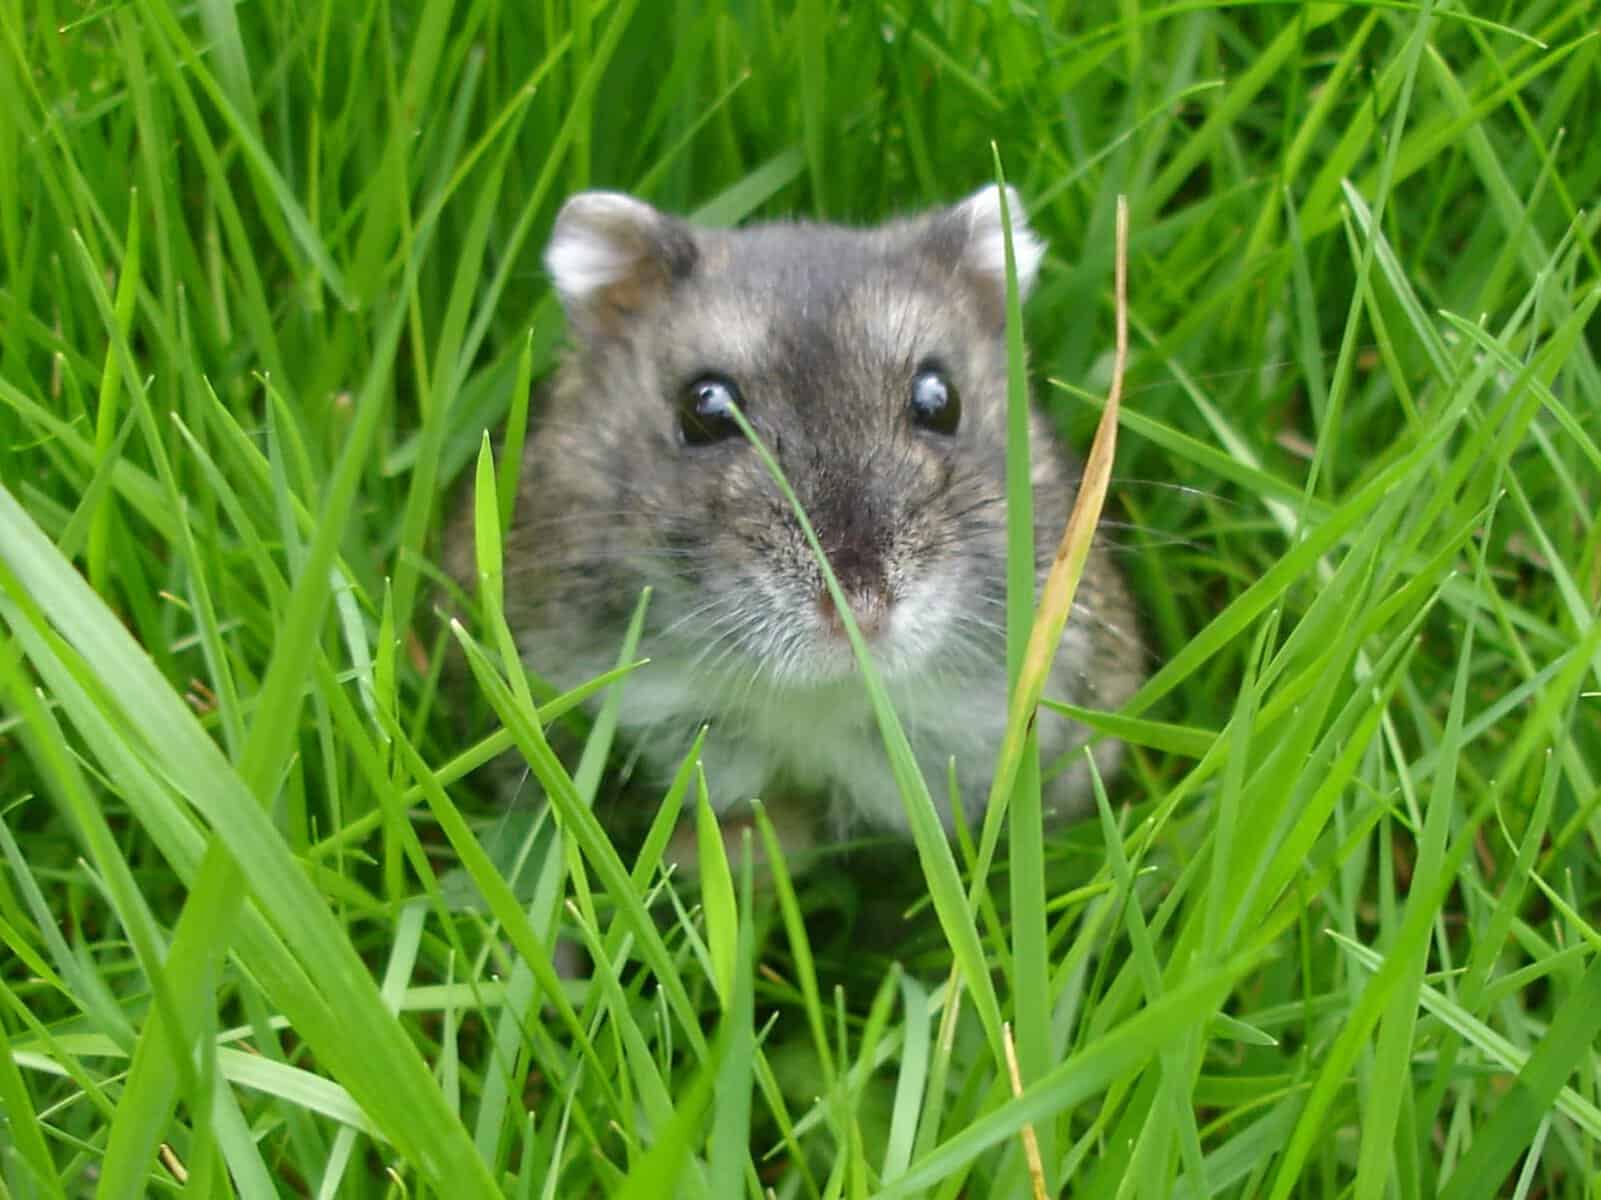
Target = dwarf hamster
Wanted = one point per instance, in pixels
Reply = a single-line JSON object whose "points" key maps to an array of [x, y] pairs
{"points": [[872, 362]]}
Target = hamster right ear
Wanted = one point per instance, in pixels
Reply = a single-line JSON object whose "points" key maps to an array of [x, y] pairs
{"points": [[612, 255], [985, 250]]}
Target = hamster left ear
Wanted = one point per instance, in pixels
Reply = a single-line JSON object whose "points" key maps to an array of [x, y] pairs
{"points": [[984, 247], [612, 256]]}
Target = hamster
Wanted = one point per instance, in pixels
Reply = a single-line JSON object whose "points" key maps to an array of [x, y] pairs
{"points": [[872, 363]]}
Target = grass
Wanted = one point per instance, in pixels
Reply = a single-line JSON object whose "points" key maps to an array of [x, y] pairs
{"points": [[268, 273]]}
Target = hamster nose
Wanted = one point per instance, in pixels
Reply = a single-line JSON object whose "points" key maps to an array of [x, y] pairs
{"points": [[870, 606], [854, 526]]}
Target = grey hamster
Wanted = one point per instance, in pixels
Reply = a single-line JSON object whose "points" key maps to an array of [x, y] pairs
{"points": [[872, 362]]}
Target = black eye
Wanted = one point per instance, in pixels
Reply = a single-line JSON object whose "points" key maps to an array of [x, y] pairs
{"points": [[936, 405], [706, 410]]}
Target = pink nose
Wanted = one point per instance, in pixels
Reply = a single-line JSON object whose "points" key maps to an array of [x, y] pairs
{"points": [[870, 606]]}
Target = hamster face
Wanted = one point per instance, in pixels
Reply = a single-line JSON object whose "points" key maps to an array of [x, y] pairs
{"points": [[872, 364]]}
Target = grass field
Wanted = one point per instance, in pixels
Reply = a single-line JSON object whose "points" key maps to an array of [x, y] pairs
{"points": [[268, 272]]}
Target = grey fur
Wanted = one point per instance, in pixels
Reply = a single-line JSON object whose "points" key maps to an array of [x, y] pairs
{"points": [[823, 328]]}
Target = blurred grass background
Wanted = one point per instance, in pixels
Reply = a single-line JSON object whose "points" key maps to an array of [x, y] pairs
{"points": [[268, 272]]}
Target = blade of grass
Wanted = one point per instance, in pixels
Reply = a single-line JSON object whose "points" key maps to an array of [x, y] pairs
{"points": [[1081, 1076], [22, 1120], [1061, 583], [934, 851]]}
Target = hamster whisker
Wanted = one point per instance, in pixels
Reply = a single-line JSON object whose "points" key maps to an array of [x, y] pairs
{"points": [[960, 539], [1125, 483], [735, 631], [614, 524], [577, 559], [718, 604], [1080, 612], [728, 630], [716, 652], [991, 630], [982, 504], [1125, 550]]}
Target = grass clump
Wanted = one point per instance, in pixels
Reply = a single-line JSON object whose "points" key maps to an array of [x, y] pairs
{"points": [[267, 274]]}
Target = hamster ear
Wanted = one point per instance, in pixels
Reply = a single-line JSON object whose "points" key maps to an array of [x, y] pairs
{"points": [[611, 256], [983, 249]]}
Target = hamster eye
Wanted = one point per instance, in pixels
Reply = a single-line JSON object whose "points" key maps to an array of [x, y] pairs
{"points": [[705, 410], [936, 404]]}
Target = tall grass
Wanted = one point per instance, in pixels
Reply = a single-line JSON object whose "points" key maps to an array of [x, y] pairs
{"points": [[269, 272]]}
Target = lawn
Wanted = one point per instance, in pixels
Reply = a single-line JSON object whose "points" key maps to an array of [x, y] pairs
{"points": [[270, 272]]}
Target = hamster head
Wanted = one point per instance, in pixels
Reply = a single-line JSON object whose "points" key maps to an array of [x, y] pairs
{"points": [[872, 363]]}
